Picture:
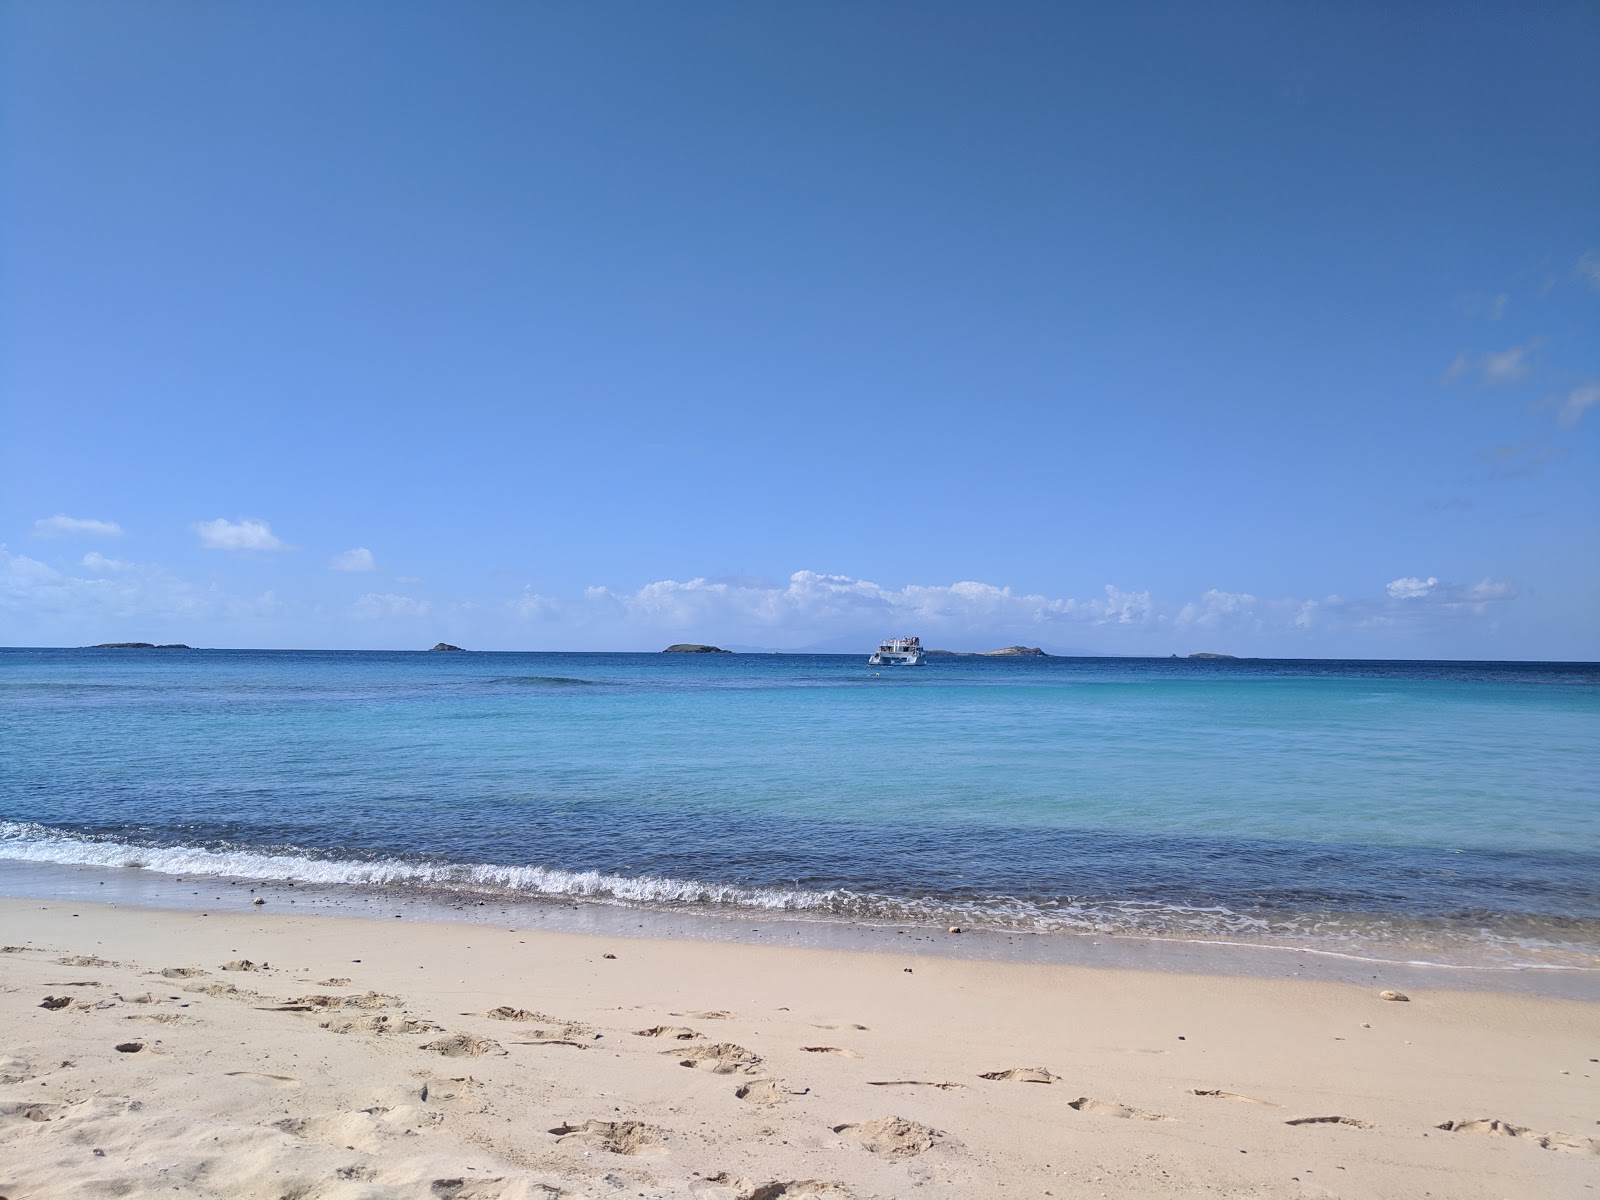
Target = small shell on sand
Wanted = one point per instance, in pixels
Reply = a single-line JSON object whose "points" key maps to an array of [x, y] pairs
{"points": [[1391, 994]]}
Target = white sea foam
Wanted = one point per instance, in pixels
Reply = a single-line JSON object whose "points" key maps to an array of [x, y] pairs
{"points": [[1314, 933]]}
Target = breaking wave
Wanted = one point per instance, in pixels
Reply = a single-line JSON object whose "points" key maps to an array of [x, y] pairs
{"points": [[1374, 937]]}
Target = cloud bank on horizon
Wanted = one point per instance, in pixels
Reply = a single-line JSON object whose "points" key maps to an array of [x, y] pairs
{"points": [[811, 611]]}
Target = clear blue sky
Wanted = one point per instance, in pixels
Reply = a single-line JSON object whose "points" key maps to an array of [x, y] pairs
{"points": [[1262, 328]]}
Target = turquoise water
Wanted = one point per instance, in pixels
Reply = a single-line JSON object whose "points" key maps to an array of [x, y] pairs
{"points": [[1441, 811]]}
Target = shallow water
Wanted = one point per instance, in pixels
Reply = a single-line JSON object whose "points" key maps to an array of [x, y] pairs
{"points": [[1424, 811]]}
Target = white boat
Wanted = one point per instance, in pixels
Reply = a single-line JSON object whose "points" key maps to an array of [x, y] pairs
{"points": [[893, 652]]}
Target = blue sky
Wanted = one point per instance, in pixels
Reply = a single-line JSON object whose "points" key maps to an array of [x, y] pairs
{"points": [[1260, 328]]}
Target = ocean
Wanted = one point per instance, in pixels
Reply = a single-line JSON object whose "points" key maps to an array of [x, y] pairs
{"points": [[1436, 812]]}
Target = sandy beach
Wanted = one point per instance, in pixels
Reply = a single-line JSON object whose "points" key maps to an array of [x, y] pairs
{"points": [[260, 1053]]}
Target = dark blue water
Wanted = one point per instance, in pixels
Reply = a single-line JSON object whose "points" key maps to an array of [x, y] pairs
{"points": [[1446, 811]]}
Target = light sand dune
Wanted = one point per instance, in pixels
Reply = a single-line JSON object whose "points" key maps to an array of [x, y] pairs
{"points": [[363, 1063]]}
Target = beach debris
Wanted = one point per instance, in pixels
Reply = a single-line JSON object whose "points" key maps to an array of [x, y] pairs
{"points": [[608, 956], [721, 1058], [839, 1050], [1219, 1094], [615, 1137], [943, 1087], [1391, 994], [462, 1045], [892, 1137], [1023, 1075], [907, 970], [258, 900], [54, 1002], [129, 1047], [1110, 1108], [244, 964], [955, 929], [681, 1033], [1350, 1121]]}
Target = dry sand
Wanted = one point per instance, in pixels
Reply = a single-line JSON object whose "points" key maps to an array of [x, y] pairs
{"points": [[261, 1054]]}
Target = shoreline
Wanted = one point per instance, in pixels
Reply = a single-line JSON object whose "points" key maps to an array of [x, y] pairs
{"points": [[141, 887], [266, 1051]]}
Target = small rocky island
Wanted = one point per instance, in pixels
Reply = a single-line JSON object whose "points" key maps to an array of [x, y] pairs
{"points": [[1209, 655], [446, 647], [694, 648], [139, 646]]}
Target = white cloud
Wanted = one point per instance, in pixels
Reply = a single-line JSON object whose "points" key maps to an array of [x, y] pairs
{"points": [[122, 594], [62, 525], [1411, 588], [243, 534], [531, 606], [1495, 367], [1498, 306], [358, 559], [1588, 269], [375, 606], [1577, 403], [1216, 608], [99, 562]]}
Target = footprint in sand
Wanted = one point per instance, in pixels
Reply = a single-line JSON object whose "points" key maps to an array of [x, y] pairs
{"points": [[448, 1091], [180, 972], [84, 960], [892, 1137], [1219, 1094], [1350, 1121], [615, 1137], [379, 1024], [335, 981], [1023, 1075], [843, 1025], [722, 1058], [1565, 1143], [943, 1087], [462, 1045], [723, 1186], [507, 1012], [244, 964], [766, 1092], [1109, 1108], [681, 1033], [15, 1070], [839, 1050], [262, 1077], [129, 1047], [704, 1014]]}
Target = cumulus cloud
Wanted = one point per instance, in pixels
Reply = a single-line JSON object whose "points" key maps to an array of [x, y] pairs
{"points": [[62, 525], [1411, 588], [243, 534], [357, 559], [99, 562], [375, 606], [1216, 608], [119, 594]]}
